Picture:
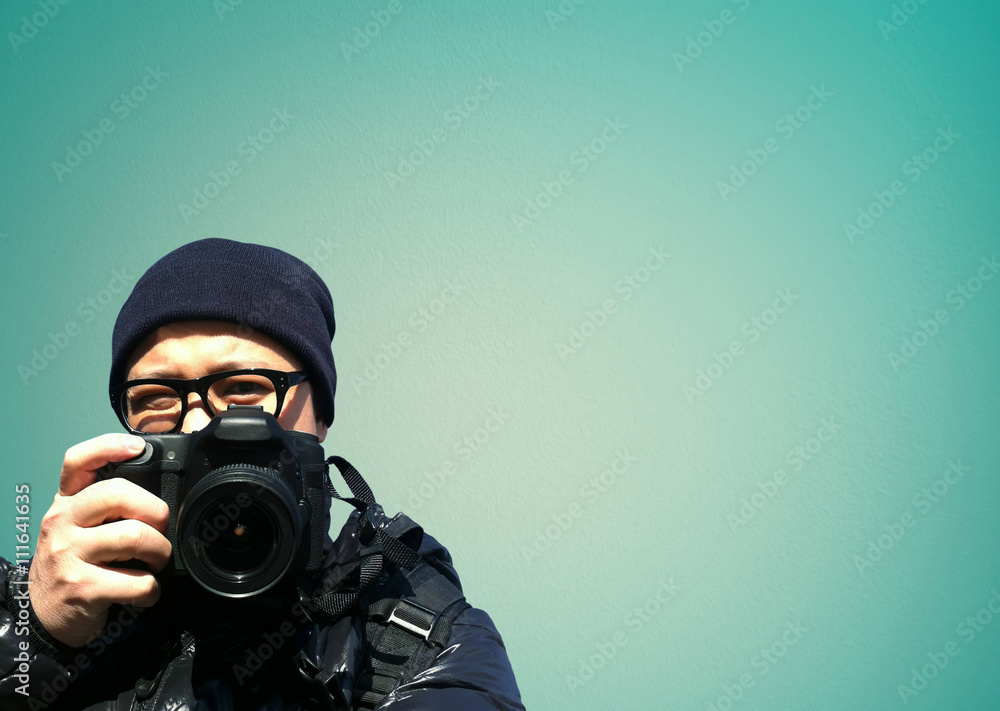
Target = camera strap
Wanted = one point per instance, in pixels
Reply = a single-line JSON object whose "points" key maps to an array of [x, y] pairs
{"points": [[378, 544], [408, 619]]}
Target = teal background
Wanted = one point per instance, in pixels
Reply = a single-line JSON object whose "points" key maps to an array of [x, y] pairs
{"points": [[560, 562]]}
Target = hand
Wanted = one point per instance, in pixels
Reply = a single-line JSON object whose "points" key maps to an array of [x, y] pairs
{"points": [[89, 525]]}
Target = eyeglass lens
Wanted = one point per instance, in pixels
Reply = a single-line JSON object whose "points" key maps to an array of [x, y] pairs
{"points": [[156, 408]]}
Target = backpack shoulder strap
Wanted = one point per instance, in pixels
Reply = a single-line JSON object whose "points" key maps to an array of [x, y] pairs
{"points": [[407, 625], [407, 620]]}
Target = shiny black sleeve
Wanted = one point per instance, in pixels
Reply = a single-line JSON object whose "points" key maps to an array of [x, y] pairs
{"points": [[32, 665], [473, 670], [471, 673]]}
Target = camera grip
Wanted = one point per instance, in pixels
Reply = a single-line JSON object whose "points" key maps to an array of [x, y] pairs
{"points": [[130, 564], [109, 469]]}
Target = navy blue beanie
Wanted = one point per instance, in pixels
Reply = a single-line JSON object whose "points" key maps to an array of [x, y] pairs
{"points": [[259, 288]]}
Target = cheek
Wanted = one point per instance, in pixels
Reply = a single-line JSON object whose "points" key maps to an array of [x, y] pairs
{"points": [[299, 414], [305, 422], [291, 419]]}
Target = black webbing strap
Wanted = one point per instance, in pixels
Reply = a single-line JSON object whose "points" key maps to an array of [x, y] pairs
{"points": [[380, 542], [408, 620], [359, 487]]}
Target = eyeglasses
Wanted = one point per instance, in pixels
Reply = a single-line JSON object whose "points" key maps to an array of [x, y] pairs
{"points": [[158, 405]]}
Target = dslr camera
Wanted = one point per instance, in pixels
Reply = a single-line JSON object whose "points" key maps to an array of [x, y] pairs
{"points": [[247, 500]]}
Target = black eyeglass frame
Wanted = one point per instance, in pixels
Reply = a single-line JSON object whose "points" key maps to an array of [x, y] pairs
{"points": [[283, 381]]}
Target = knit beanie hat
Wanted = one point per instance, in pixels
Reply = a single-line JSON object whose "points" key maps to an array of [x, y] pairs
{"points": [[259, 288]]}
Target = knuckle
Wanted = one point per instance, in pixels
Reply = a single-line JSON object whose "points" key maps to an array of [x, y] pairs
{"points": [[114, 494], [138, 536], [75, 588], [71, 457], [73, 578], [55, 541], [59, 551], [50, 524], [75, 456]]}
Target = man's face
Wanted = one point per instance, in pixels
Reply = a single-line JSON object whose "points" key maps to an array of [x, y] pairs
{"points": [[191, 349]]}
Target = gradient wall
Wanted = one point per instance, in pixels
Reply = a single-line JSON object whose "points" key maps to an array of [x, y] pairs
{"points": [[676, 322]]}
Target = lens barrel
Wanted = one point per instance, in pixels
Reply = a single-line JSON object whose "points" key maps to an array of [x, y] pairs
{"points": [[238, 530]]}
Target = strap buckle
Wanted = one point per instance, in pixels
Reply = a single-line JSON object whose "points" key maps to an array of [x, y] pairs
{"points": [[414, 618]]}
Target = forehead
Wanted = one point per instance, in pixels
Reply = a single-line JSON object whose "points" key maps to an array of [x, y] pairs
{"points": [[191, 349]]}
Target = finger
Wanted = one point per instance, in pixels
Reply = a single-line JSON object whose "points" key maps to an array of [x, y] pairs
{"points": [[85, 458], [124, 540], [125, 587], [116, 499]]}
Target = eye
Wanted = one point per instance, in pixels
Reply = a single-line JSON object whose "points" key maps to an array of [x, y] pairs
{"points": [[151, 397], [242, 389], [157, 402], [245, 387]]}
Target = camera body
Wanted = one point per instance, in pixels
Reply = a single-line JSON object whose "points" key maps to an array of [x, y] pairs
{"points": [[247, 500]]}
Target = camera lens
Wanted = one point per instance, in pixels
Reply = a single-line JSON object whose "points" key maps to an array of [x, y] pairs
{"points": [[238, 530], [246, 541]]}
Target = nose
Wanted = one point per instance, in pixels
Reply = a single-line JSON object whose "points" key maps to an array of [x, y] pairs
{"points": [[196, 417]]}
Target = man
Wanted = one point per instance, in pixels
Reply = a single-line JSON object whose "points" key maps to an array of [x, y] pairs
{"points": [[91, 625]]}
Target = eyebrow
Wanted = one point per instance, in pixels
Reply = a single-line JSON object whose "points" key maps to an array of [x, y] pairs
{"points": [[218, 368]]}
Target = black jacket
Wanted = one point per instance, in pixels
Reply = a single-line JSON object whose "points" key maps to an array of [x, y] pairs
{"points": [[193, 651]]}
